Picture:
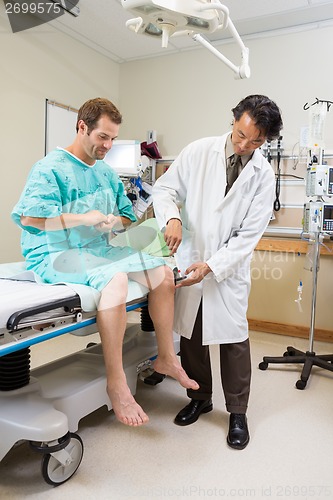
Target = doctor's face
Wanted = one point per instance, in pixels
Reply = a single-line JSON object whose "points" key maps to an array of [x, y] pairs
{"points": [[246, 136], [97, 142]]}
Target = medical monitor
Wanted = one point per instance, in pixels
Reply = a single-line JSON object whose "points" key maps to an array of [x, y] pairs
{"points": [[327, 222], [125, 158]]}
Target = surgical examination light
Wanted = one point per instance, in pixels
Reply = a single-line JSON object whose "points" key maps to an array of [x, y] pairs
{"points": [[169, 18]]}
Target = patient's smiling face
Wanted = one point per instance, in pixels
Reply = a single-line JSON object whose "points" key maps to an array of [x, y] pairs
{"points": [[98, 141]]}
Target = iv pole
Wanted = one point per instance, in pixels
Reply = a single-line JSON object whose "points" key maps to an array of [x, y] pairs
{"points": [[308, 358], [293, 355], [315, 270]]}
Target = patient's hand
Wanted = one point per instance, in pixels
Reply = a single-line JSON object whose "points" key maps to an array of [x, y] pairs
{"points": [[103, 227], [94, 218], [107, 225]]}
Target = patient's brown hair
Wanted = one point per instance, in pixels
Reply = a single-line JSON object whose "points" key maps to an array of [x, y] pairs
{"points": [[92, 110]]}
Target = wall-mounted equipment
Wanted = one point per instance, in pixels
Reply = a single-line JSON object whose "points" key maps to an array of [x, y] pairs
{"points": [[312, 217], [319, 180]]}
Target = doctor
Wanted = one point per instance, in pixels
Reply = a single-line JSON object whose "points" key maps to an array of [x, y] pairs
{"points": [[215, 202]]}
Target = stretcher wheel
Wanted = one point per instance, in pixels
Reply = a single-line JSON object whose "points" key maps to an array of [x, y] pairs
{"points": [[54, 472]]}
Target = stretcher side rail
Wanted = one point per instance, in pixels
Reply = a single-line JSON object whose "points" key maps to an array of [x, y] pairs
{"points": [[70, 305], [24, 337]]}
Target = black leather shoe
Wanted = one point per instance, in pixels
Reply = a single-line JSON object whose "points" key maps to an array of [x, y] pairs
{"points": [[193, 410], [238, 436]]}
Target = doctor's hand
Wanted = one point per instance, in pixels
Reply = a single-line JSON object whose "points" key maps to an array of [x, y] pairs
{"points": [[173, 235], [195, 274]]}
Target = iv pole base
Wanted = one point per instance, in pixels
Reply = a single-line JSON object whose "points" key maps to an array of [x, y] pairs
{"points": [[308, 359]]}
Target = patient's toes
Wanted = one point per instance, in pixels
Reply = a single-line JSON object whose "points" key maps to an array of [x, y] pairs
{"points": [[126, 409], [134, 420], [185, 380], [133, 415], [175, 370]]}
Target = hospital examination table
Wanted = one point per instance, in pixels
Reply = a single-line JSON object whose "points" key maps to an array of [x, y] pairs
{"points": [[44, 405]]}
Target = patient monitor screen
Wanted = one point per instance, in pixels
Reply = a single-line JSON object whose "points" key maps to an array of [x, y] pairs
{"points": [[328, 218], [124, 157]]}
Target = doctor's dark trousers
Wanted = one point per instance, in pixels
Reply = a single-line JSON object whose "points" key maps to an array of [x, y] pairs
{"points": [[235, 368]]}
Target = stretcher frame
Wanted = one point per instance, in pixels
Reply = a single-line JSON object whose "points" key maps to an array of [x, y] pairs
{"points": [[47, 409]]}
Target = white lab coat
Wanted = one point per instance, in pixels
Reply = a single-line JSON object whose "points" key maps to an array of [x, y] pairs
{"points": [[220, 230]]}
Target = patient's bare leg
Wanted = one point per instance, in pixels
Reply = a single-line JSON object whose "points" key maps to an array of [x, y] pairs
{"points": [[111, 321], [160, 281]]}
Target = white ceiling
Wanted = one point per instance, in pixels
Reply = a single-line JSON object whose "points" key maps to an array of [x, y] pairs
{"points": [[101, 25]]}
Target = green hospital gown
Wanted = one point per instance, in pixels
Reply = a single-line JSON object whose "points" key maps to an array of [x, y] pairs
{"points": [[61, 183]]}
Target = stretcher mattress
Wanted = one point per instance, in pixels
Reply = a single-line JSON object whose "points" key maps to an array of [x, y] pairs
{"points": [[20, 295], [21, 289]]}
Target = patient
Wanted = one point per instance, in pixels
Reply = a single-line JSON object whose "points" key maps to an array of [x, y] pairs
{"points": [[71, 202]]}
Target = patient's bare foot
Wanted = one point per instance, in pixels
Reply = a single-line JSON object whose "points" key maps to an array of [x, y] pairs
{"points": [[125, 407], [172, 368]]}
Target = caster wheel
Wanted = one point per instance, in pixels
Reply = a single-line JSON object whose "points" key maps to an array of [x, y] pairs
{"points": [[300, 384], [289, 353], [263, 365], [54, 472]]}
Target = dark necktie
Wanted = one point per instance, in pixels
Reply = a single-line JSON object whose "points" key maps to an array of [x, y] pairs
{"points": [[232, 170]]}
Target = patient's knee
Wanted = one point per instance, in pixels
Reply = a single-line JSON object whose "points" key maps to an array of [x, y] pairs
{"points": [[163, 277], [169, 279], [115, 292]]}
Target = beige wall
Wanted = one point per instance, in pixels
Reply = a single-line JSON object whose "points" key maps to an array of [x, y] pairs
{"points": [[189, 95], [275, 278], [36, 65]]}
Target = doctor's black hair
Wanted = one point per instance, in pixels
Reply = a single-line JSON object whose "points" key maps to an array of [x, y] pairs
{"points": [[92, 110], [263, 111]]}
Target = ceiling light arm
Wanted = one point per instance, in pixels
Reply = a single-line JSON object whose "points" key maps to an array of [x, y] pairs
{"points": [[242, 71]]}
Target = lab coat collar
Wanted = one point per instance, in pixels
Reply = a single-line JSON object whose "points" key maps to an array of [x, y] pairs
{"points": [[255, 163], [219, 146], [229, 150]]}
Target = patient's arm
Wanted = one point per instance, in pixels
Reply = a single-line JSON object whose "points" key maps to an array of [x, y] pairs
{"points": [[67, 220], [113, 222]]}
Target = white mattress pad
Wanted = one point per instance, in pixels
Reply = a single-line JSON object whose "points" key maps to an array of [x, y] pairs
{"points": [[20, 289], [19, 295]]}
